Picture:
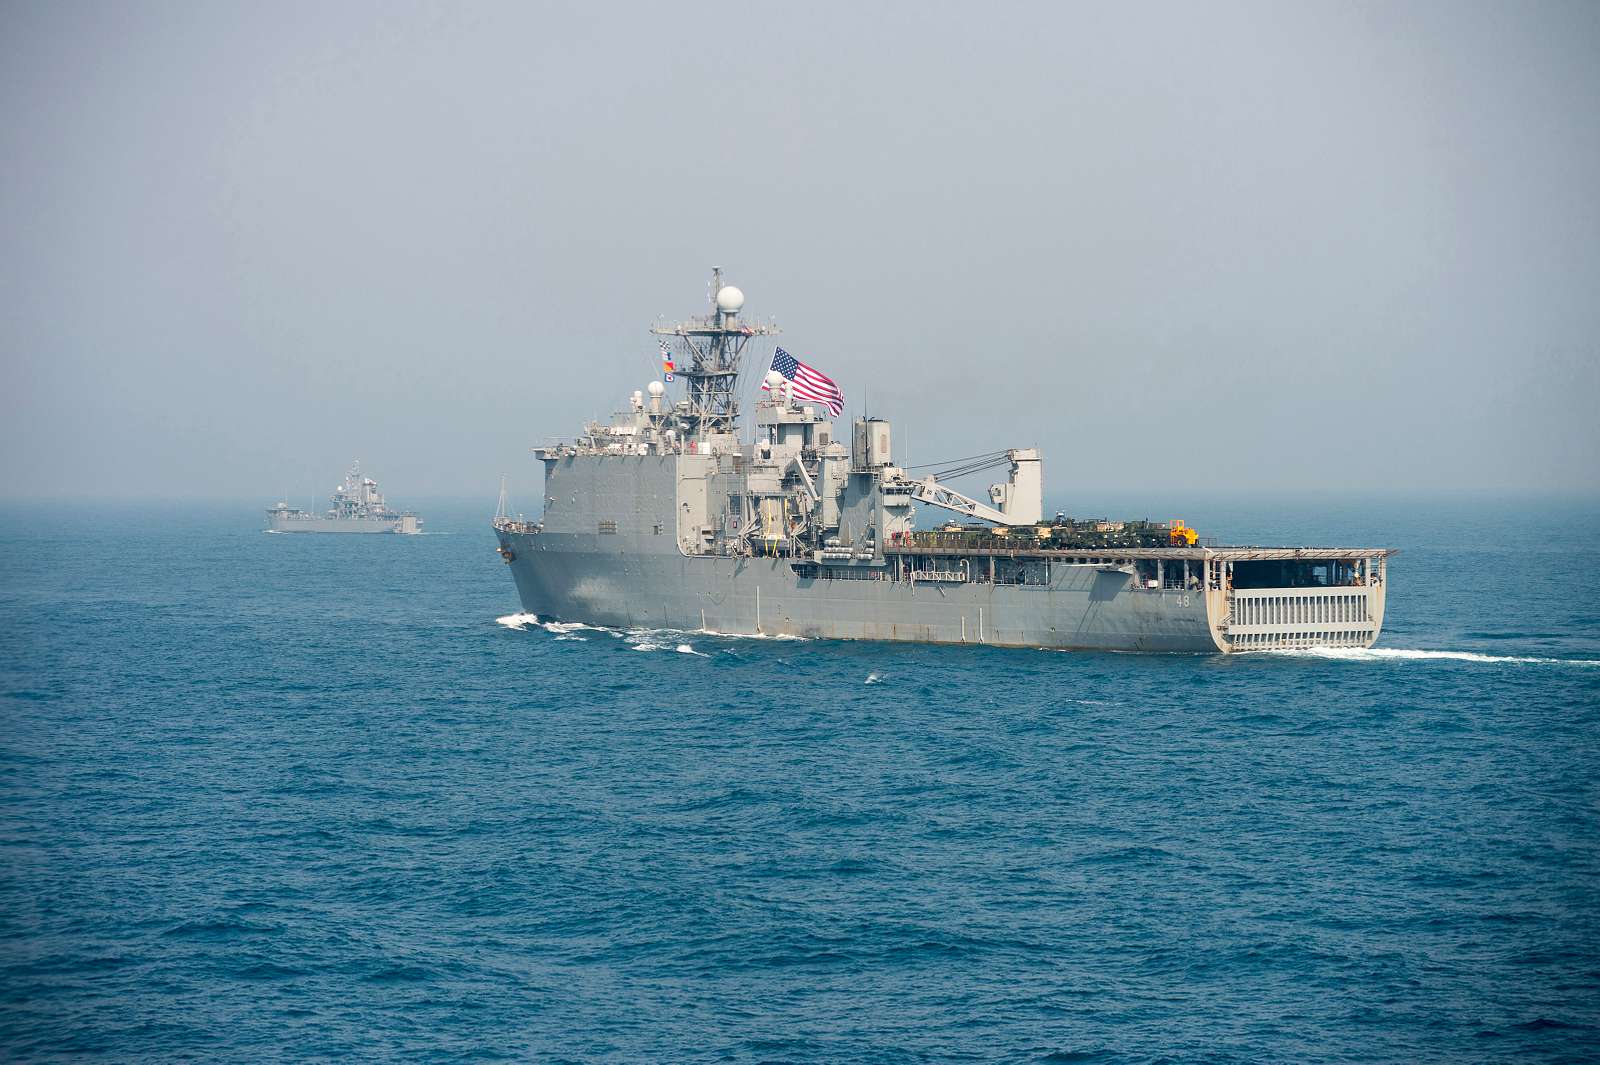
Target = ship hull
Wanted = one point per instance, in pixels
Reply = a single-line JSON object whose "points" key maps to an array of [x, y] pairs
{"points": [[1083, 607], [622, 543], [332, 525]]}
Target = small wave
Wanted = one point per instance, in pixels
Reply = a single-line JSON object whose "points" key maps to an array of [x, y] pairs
{"points": [[1539, 1024], [873, 678], [217, 929], [261, 969], [1514, 635], [1406, 654], [685, 649], [399, 974]]}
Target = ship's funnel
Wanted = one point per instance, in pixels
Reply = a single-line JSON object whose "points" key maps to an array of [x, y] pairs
{"points": [[871, 443]]}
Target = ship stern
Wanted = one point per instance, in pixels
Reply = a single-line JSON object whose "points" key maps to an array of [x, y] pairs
{"points": [[1287, 599]]}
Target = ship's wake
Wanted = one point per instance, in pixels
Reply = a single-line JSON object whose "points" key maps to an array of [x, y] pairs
{"points": [[658, 640], [750, 635], [561, 630], [1405, 654], [635, 639], [638, 639]]}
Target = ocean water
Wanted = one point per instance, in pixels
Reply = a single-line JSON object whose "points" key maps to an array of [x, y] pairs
{"points": [[288, 798]]}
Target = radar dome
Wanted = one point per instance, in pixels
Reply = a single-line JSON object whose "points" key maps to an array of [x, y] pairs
{"points": [[729, 299], [774, 379], [656, 388]]}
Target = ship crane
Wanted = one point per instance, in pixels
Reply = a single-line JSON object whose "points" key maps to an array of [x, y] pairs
{"points": [[935, 494], [1019, 497]]}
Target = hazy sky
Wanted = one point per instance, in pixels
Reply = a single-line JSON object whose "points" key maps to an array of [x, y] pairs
{"points": [[1214, 246]]}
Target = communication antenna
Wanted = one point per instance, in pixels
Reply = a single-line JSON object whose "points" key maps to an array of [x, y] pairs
{"points": [[707, 352]]}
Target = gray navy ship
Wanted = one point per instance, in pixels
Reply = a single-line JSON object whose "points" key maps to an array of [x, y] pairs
{"points": [[358, 507], [663, 517]]}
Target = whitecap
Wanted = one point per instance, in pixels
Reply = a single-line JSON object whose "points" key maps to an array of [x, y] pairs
{"points": [[685, 649]]}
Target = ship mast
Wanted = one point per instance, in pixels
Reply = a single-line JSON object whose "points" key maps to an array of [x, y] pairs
{"points": [[708, 352]]}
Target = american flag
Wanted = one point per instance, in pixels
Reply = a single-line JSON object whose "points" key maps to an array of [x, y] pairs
{"points": [[806, 384]]}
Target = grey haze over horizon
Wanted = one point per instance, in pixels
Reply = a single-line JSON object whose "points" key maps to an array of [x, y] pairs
{"points": [[1241, 247]]}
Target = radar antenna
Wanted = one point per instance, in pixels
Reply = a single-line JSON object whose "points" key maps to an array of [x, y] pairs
{"points": [[708, 352]]}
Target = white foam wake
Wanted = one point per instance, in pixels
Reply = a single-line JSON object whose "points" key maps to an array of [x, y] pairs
{"points": [[638, 639], [561, 630], [651, 639], [564, 628], [750, 635], [1405, 654]]}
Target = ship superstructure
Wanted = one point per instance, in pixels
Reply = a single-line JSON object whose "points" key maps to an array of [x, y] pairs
{"points": [[663, 517], [358, 507]]}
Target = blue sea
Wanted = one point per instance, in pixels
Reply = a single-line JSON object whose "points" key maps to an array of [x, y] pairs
{"points": [[284, 798]]}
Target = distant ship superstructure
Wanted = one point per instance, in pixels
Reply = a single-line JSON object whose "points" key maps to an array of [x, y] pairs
{"points": [[358, 507], [663, 517]]}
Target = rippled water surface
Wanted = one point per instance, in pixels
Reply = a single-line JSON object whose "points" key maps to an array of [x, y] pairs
{"points": [[280, 797]]}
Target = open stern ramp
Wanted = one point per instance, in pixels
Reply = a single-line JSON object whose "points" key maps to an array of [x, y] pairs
{"points": [[1265, 599]]}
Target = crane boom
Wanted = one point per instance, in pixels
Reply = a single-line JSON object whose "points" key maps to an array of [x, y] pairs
{"points": [[932, 492]]}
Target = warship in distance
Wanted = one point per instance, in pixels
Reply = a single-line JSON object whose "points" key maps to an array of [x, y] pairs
{"points": [[663, 517], [358, 507]]}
